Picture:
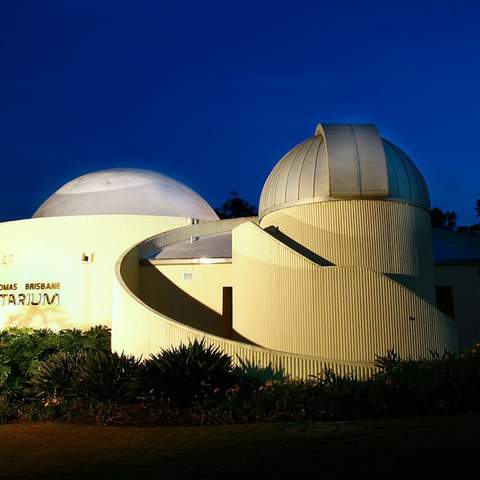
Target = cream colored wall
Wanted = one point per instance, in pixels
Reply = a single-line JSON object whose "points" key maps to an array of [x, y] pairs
{"points": [[137, 329], [197, 302], [50, 250], [286, 302], [465, 280], [390, 237]]}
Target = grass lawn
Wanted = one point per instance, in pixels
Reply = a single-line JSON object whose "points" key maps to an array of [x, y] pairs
{"points": [[396, 448]]}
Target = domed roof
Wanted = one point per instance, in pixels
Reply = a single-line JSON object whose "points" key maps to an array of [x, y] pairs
{"points": [[126, 191], [342, 162]]}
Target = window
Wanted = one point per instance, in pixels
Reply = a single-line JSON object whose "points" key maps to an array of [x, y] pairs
{"points": [[87, 257]]}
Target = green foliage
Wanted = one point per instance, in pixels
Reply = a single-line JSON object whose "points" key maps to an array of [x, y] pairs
{"points": [[251, 378], [54, 378], [7, 411], [73, 376], [106, 376], [188, 373], [260, 375], [90, 375], [445, 384], [22, 351], [388, 363]]}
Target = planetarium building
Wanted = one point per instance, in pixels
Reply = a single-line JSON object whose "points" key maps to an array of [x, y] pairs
{"points": [[338, 267]]}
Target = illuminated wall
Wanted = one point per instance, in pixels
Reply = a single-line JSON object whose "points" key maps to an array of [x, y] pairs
{"points": [[140, 330], [390, 237], [297, 314], [285, 301], [338, 269], [57, 272], [192, 293]]}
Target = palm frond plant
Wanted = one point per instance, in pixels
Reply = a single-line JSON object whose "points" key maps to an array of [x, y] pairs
{"points": [[188, 373], [108, 377]]}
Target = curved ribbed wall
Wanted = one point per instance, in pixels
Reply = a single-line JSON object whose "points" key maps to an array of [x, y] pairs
{"points": [[390, 237], [138, 329], [302, 316], [339, 270], [345, 313]]}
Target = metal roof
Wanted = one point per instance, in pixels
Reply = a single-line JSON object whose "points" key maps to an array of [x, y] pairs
{"points": [[217, 245], [451, 247], [342, 162]]}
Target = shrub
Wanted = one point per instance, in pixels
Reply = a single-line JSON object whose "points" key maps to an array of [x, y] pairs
{"points": [[72, 375], [251, 378], [188, 373], [95, 339], [443, 385], [22, 350], [7, 410], [106, 376], [55, 377]]}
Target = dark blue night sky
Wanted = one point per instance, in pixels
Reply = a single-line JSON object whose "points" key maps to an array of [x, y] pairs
{"points": [[214, 93]]}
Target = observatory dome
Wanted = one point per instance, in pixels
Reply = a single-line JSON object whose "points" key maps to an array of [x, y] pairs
{"points": [[343, 162], [126, 191]]}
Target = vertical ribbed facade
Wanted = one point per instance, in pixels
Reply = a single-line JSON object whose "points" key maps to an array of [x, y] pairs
{"points": [[140, 330], [284, 301], [390, 237]]}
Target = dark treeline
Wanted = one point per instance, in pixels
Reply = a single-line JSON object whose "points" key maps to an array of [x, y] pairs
{"points": [[448, 220]]}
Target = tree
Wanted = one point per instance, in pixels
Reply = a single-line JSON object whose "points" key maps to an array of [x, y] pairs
{"points": [[444, 220], [475, 228], [235, 207]]}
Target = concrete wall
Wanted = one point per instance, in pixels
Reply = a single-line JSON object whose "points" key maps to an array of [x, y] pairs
{"points": [[390, 237], [465, 281], [49, 250], [284, 301]]}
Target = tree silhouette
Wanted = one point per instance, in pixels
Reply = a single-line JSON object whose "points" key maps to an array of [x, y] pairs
{"points": [[475, 228], [444, 220], [235, 207]]}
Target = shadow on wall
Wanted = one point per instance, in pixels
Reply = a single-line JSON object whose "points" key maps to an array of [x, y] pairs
{"points": [[412, 283], [161, 294], [298, 247], [40, 316]]}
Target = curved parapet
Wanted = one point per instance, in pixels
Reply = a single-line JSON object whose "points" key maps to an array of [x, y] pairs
{"points": [[140, 330], [327, 325]]}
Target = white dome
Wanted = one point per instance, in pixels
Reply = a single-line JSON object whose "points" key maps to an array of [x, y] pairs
{"points": [[126, 191], [343, 162]]}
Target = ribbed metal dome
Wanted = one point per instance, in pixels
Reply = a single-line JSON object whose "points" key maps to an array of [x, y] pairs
{"points": [[126, 191], [341, 162], [405, 182]]}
